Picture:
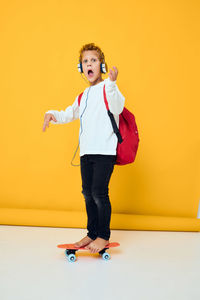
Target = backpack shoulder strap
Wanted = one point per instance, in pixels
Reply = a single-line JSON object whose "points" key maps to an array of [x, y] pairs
{"points": [[112, 119], [79, 98]]}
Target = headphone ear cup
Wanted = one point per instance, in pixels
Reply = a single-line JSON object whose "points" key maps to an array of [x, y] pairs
{"points": [[103, 68], [80, 68]]}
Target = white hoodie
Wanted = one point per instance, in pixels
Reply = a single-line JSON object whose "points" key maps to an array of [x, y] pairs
{"points": [[96, 134]]}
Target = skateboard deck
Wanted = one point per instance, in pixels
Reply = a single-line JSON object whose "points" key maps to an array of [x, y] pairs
{"points": [[70, 250]]}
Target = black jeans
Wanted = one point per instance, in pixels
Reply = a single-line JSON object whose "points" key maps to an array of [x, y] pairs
{"points": [[96, 170]]}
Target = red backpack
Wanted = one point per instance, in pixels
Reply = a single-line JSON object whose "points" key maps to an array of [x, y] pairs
{"points": [[127, 133]]}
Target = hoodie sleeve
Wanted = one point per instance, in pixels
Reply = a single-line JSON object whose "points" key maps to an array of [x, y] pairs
{"points": [[70, 114], [115, 98]]}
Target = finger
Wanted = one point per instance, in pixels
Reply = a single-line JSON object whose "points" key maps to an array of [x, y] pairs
{"points": [[116, 69], [114, 73], [112, 77], [45, 125], [111, 73]]}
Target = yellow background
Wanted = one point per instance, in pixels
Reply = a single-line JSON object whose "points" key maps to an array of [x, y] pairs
{"points": [[155, 46]]}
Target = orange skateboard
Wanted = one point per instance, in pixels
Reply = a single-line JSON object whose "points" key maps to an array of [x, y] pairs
{"points": [[71, 251]]}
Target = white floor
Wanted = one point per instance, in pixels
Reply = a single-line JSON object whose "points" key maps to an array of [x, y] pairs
{"points": [[147, 265]]}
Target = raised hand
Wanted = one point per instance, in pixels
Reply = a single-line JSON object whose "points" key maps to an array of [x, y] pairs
{"points": [[113, 74]]}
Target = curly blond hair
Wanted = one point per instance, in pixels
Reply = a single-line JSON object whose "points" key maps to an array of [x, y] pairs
{"points": [[92, 46]]}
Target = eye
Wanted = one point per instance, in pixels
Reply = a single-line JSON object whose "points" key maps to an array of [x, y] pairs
{"points": [[94, 59], [85, 60]]}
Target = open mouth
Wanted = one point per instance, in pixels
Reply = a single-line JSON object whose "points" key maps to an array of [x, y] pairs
{"points": [[90, 73]]}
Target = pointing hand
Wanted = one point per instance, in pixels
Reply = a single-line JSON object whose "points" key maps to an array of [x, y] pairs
{"points": [[47, 119]]}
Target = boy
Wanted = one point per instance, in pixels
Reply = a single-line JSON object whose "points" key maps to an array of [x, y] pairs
{"points": [[98, 142]]}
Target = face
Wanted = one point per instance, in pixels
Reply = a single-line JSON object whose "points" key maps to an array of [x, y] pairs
{"points": [[91, 66]]}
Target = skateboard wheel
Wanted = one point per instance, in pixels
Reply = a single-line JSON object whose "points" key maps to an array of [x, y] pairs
{"points": [[106, 256], [71, 257]]}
